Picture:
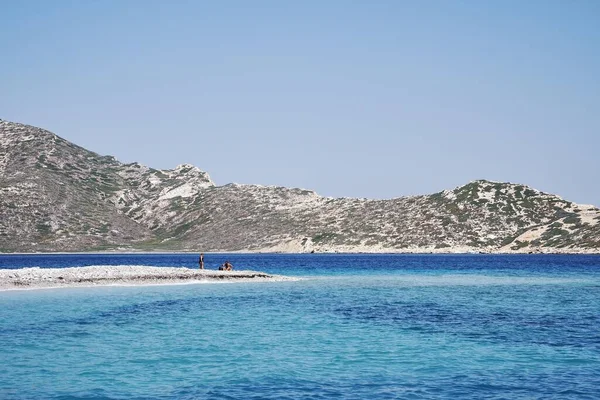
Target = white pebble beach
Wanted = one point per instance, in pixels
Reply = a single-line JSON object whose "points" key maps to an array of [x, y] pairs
{"points": [[38, 278]]}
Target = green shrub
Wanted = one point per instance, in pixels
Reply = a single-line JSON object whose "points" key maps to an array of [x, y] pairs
{"points": [[573, 219], [519, 245], [323, 237]]}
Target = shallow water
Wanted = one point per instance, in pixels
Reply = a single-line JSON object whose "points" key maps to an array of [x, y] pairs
{"points": [[355, 326]]}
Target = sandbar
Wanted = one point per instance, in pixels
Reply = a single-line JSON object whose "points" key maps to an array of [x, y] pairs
{"points": [[38, 278]]}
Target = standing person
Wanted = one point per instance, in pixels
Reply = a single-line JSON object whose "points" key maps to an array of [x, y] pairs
{"points": [[201, 261]]}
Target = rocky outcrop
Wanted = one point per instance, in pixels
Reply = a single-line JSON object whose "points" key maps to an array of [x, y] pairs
{"points": [[56, 196]]}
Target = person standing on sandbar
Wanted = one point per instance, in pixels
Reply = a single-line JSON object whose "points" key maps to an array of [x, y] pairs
{"points": [[201, 261]]}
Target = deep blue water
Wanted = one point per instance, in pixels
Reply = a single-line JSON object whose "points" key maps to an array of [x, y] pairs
{"points": [[354, 327]]}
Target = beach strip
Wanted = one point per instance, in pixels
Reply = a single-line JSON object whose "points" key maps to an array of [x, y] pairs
{"points": [[37, 278]]}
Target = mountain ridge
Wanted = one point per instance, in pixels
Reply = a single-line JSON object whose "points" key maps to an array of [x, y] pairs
{"points": [[57, 196]]}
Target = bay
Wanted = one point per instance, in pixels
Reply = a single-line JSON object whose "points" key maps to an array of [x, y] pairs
{"points": [[354, 326]]}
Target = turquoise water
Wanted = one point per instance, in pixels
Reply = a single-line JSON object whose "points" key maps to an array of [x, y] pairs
{"points": [[354, 327]]}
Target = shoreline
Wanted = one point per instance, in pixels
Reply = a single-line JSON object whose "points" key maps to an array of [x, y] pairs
{"points": [[331, 251], [124, 275]]}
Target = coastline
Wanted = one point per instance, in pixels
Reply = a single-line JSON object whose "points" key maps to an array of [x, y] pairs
{"points": [[92, 276], [331, 250]]}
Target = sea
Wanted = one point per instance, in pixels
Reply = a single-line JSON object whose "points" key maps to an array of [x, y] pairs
{"points": [[352, 326]]}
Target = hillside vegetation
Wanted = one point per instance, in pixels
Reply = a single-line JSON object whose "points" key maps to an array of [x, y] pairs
{"points": [[57, 196]]}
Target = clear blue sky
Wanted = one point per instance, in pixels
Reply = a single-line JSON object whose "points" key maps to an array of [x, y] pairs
{"points": [[374, 99]]}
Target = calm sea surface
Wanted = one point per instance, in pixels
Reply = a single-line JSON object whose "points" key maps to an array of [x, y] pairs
{"points": [[354, 327]]}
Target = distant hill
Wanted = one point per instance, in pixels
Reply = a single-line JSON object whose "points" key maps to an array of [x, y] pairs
{"points": [[57, 196]]}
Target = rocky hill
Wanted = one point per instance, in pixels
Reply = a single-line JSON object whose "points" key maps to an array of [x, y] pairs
{"points": [[56, 196]]}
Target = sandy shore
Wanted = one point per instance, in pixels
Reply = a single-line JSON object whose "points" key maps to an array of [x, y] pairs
{"points": [[37, 278]]}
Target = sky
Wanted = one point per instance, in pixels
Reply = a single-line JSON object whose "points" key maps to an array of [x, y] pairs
{"points": [[370, 99]]}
